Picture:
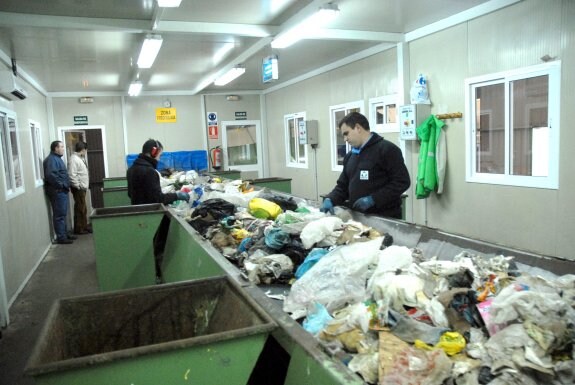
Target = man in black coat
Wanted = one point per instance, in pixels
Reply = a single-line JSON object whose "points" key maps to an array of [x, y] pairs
{"points": [[374, 174], [144, 181]]}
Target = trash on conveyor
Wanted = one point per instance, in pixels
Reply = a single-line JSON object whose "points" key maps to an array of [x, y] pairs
{"points": [[393, 314]]}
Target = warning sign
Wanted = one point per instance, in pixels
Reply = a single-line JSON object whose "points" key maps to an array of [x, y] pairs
{"points": [[165, 115], [213, 131], [212, 125]]}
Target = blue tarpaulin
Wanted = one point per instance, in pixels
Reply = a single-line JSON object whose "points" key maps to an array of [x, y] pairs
{"points": [[178, 160]]}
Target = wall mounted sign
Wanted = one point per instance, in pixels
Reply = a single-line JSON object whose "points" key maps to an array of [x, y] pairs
{"points": [[270, 69], [212, 125], [81, 120], [165, 115]]}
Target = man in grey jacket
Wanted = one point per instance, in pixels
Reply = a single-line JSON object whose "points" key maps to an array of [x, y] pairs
{"points": [[79, 183]]}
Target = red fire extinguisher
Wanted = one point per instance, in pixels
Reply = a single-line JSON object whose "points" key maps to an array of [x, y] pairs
{"points": [[216, 157]]}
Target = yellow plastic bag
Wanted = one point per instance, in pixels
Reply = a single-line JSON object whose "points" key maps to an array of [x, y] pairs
{"points": [[451, 343], [264, 209]]}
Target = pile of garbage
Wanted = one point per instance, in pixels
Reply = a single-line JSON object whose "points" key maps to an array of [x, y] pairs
{"points": [[392, 314]]}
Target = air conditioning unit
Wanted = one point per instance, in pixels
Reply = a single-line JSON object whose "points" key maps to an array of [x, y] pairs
{"points": [[9, 87]]}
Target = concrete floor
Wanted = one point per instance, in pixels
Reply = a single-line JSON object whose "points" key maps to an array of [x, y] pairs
{"points": [[66, 271]]}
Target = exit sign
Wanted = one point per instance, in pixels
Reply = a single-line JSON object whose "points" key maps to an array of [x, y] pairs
{"points": [[81, 120]]}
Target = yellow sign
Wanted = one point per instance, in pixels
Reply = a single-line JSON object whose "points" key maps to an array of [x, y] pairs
{"points": [[165, 115]]}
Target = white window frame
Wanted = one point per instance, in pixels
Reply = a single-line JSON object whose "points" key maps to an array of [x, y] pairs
{"points": [[551, 181], [384, 102], [10, 191], [37, 152], [289, 163], [359, 104]]}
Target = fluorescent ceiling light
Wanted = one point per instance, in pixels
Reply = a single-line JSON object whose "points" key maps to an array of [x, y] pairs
{"points": [[149, 51], [169, 3], [229, 76], [135, 88], [314, 22]]}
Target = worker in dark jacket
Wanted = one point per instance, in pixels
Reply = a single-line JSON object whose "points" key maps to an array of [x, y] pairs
{"points": [[374, 174], [144, 181], [56, 187]]}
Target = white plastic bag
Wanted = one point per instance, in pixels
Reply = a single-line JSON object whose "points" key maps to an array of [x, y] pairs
{"points": [[318, 230], [418, 92], [336, 279]]}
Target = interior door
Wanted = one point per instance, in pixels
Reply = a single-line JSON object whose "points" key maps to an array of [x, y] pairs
{"points": [[94, 136], [241, 140]]}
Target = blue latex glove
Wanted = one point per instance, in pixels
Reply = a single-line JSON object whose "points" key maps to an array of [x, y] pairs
{"points": [[363, 204], [182, 196], [326, 206]]}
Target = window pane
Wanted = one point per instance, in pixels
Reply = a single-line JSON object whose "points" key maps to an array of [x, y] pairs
{"points": [[15, 153], [379, 114], [340, 141], [530, 101], [36, 151], [292, 128], [391, 113], [5, 153], [242, 146], [490, 129]]}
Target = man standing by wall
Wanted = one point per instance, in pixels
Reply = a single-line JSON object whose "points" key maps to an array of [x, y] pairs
{"points": [[374, 174], [79, 183], [56, 186]]}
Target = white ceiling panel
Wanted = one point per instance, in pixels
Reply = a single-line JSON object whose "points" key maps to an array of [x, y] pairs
{"points": [[84, 46]]}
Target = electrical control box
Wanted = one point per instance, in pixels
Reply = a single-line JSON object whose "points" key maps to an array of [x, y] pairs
{"points": [[410, 117], [308, 132]]}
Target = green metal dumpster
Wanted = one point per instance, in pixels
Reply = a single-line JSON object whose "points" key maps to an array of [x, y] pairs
{"points": [[274, 183], [229, 174], [123, 244], [119, 181], [196, 332], [116, 196]]}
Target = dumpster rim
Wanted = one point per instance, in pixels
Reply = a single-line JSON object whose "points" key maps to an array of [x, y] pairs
{"points": [[267, 326], [150, 208]]}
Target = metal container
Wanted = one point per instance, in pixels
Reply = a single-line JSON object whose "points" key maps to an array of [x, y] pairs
{"points": [[229, 174], [116, 196], [196, 332], [123, 244], [119, 181], [274, 183]]}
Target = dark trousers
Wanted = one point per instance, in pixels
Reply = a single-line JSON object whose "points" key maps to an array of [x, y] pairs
{"points": [[80, 211], [59, 203]]}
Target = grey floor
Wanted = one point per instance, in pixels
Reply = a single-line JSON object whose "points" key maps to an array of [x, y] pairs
{"points": [[66, 271]]}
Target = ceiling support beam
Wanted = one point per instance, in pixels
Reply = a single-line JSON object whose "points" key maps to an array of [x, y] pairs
{"points": [[67, 22]]}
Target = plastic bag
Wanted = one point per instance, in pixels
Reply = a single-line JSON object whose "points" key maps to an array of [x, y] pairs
{"points": [[367, 365], [318, 230], [264, 209], [311, 259], [268, 268], [413, 366], [410, 330], [317, 319], [418, 92], [336, 279], [214, 208]]}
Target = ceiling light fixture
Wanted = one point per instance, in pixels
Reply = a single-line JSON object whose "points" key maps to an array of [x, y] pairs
{"points": [[230, 75], [314, 22], [135, 88], [169, 3], [149, 51]]}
